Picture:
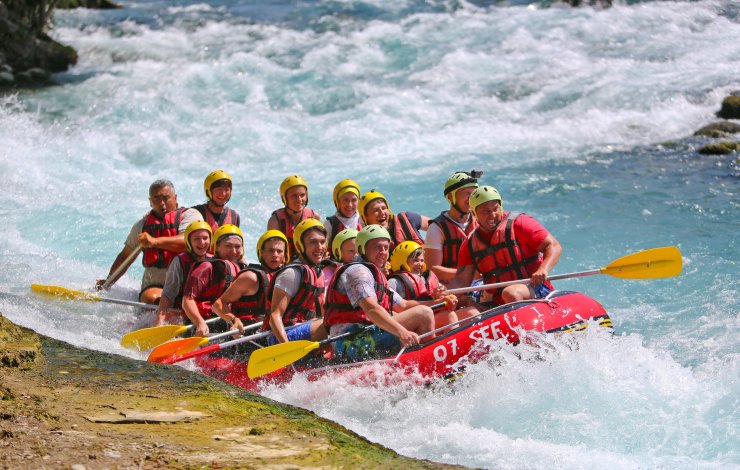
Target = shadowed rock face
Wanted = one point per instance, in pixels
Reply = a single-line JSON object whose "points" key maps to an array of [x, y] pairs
{"points": [[62, 406], [730, 107]]}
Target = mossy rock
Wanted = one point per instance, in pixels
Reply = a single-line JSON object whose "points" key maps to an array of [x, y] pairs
{"points": [[719, 129], [730, 108], [721, 148], [20, 348]]}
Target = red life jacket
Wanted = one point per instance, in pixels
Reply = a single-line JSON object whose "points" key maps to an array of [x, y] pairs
{"points": [[186, 264], [287, 227], [501, 259], [338, 307], [222, 275], [167, 226], [337, 226], [253, 308], [308, 302], [227, 216], [454, 238], [418, 286], [401, 229]]}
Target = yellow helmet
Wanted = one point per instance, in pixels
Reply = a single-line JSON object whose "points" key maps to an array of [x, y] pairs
{"points": [[339, 239], [459, 180], [400, 256], [291, 182], [370, 232], [192, 227], [214, 177], [302, 227], [343, 187], [225, 231], [269, 235], [484, 194], [369, 197]]}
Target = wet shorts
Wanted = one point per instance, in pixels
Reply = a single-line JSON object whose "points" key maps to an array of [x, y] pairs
{"points": [[372, 343], [294, 333], [541, 291]]}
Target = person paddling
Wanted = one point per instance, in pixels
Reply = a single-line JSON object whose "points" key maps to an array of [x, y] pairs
{"points": [[217, 186], [297, 291], [451, 228], [374, 209], [506, 246], [245, 301], [210, 278], [359, 296], [197, 246], [346, 196], [159, 233], [294, 194]]}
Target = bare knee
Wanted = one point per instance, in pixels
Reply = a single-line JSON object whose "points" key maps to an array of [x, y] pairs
{"points": [[515, 293], [151, 295]]}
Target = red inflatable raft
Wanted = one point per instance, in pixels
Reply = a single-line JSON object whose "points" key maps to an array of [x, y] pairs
{"points": [[440, 357]]}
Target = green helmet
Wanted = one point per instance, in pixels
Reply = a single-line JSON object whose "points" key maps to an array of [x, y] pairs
{"points": [[339, 239], [484, 194], [370, 232], [459, 180]]}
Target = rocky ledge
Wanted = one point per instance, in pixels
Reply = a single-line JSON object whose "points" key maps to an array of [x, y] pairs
{"points": [[65, 407], [722, 129]]}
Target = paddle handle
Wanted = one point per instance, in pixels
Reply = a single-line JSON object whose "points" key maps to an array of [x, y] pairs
{"points": [[463, 290], [224, 334], [129, 302], [215, 347], [113, 277]]}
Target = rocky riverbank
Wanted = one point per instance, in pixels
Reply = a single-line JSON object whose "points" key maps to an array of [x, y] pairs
{"points": [[724, 129], [65, 407]]}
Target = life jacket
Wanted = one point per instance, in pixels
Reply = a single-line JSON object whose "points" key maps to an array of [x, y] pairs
{"points": [[337, 226], [339, 309], [227, 216], [253, 308], [157, 227], [222, 275], [418, 286], [454, 238], [501, 258], [401, 230], [287, 227], [308, 302], [186, 264]]}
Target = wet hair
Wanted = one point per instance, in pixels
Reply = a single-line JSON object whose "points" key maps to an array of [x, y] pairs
{"points": [[159, 184]]}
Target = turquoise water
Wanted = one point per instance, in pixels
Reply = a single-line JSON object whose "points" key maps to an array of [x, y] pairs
{"points": [[579, 117]]}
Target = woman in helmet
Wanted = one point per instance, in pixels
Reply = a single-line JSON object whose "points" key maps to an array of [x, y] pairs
{"points": [[374, 209], [359, 296], [297, 291], [506, 246], [209, 279], [294, 194], [197, 244], [246, 301], [346, 196], [217, 187], [450, 228]]}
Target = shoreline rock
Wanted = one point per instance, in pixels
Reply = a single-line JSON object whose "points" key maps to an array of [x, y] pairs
{"points": [[66, 407]]}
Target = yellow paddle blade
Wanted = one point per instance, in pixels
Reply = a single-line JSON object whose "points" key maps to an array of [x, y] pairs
{"points": [[269, 359], [147, 338], [176, 347], [69, 294], [648, 264]]}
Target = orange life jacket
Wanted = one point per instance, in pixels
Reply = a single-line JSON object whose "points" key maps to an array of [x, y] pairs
{"points": [[228, 216], [339, 309], [158, 227], [454, 238], [401, 230], [222, 275]]}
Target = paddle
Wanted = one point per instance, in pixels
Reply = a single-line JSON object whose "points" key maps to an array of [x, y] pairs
{"points": [[70, 294], [147, 338], [179, 347], [214, 348], [113, 277], [269, 359], [648, 264]]}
